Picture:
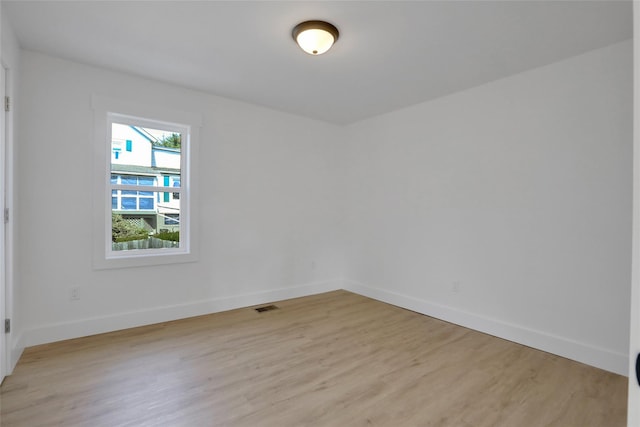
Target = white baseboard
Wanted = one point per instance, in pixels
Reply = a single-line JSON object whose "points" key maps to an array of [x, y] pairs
{"points": [[16, 351], [561, 346], [97, 325]]}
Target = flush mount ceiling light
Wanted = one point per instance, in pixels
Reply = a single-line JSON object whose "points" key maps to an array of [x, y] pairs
{"points": [[315, 37]]}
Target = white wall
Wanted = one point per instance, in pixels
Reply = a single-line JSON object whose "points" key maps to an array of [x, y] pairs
{"points": [[268, 203], [518, 193], [10, 59]]}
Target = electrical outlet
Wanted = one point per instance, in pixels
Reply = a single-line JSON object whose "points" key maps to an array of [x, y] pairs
{"points": [[455, 287], [74, 294]]}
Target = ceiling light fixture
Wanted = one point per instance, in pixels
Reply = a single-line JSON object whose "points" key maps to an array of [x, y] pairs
{"points": [[315, 37]]}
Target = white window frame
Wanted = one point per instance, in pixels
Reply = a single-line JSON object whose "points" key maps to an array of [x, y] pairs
{"points": [[108, 111]]}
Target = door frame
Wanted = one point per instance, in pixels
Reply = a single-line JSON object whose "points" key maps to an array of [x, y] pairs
{"points": [[4, 353], [633, 405]]}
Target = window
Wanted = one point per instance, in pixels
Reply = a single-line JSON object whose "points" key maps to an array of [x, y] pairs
{"points": [[142, 179], [140, 186], [143, 191], [176, 183], [132, 199], [172, 219]]}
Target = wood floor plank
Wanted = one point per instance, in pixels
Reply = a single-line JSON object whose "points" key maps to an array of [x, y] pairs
{"points": [[334, 359]]}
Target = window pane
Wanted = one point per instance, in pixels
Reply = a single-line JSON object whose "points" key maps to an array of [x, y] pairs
{"points": [[146, 180], [172, 219], [141, 223], [151, 157], [129, 232], [146, 203], [129, 180], [141, 146], [129, 203]]}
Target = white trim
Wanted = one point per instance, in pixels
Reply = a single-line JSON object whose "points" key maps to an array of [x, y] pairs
{"points": [[4, 341], [633, 392], [97, 325], [13, 348], [561, 346], [16, 351], [133, 108], [105, 110]]}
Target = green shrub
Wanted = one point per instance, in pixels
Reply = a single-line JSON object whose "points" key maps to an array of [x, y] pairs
{"points": [[130, 238], [123, 231], [173, 236]]}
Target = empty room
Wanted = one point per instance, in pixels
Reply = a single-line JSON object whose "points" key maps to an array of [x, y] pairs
{"points": [[331, 213]]}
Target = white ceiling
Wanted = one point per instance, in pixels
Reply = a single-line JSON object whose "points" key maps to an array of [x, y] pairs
{"points": [[390, 54]]}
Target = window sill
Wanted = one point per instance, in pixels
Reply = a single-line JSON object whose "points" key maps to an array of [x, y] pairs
{"points": [[131, 260]]}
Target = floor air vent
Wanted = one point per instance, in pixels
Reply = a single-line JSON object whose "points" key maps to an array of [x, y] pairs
{"points": [[266, 308]]}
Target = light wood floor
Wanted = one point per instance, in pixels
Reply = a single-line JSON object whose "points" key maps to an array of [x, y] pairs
{"points": [[334, 359]]}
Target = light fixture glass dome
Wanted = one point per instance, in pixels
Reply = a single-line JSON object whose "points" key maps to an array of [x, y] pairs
{"points": [[315, 37]]}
